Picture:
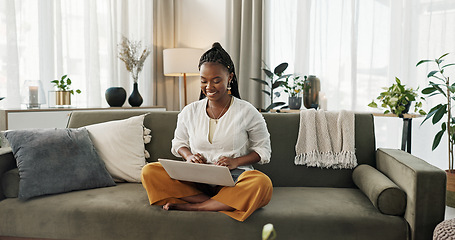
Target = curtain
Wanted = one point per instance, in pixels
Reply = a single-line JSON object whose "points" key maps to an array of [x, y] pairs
{"points": [[244, 33], [47, 39], [357, 47], [166, 88]]}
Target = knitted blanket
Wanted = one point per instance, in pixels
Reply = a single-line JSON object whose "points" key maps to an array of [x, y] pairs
{"points": [[326, 139]]}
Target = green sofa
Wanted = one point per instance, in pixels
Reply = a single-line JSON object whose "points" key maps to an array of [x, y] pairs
{"points": [[307, 203]]}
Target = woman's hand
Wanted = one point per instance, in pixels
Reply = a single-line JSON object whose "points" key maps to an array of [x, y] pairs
{"points": [[196, 158], [231, 163]]}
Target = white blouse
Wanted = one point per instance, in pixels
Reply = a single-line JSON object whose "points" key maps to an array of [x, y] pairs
{"points": [[241, 130]]}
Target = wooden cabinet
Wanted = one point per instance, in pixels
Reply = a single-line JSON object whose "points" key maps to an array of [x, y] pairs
{"points": [[51, 117]]}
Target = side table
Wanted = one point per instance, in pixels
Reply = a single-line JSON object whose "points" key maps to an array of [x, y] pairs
{"points": [[407, 128]]}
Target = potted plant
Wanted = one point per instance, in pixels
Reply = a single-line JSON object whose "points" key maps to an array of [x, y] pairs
{"points": [[274, 81], [63, 92], [397, 99], [443, 87], [294, 86]]}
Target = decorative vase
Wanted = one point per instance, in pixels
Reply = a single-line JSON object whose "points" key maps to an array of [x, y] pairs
{"points": [[62, 98], [295, 102], [450, 191], [115, 96], [311, 95], [135, 99]]}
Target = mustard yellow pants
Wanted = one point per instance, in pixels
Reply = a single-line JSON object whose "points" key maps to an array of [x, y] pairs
{"points": [[253, 190]]}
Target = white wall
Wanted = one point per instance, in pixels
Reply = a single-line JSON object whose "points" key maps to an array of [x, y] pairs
{"points": [[199, 23]]}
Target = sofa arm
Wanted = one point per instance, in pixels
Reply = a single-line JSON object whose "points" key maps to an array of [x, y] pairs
{"points": [[7, 162], [425, 187]]}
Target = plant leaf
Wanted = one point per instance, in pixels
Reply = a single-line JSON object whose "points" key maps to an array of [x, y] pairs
{"points": [[268, 73], [63, 77], [443, 56], [278, 84], [448, 65], [261, 81], [429, 90], [431, 112], [437, 139], [431, 74], [439, 114], [266, 92], [423, 61], [281, 68]]}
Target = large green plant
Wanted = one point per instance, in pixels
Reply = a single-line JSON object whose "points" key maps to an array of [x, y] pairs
{"points": [[397, 98], [443, 87], [273, 81]]}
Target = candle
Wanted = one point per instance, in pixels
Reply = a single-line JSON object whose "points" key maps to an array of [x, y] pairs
{"points": [[33, 96], [322, 101]]}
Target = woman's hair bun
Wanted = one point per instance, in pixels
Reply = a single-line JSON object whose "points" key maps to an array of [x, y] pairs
{"points": [[216, 45]]}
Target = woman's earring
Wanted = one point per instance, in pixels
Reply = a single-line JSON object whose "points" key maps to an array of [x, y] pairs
{"points": [[229, 88]]}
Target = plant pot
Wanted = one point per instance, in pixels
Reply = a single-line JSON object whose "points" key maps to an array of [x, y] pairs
{"points": [[450, 192], [115, 96], [62, 98], [295, 102]]}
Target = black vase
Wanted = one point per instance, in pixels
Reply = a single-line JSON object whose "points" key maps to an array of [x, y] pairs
{"points": [[135, 99], [115, 96]]}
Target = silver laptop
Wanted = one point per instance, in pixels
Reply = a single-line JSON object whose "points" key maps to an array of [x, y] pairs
{"points": [[196, 172]]}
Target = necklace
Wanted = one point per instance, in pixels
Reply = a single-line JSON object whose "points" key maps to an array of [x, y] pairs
{"points": [[219, 115]]}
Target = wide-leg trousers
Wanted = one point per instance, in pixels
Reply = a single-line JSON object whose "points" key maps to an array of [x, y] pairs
{"points": [[253, 190]]}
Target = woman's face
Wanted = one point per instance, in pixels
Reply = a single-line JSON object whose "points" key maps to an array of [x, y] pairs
{"points": [[214, 80]]}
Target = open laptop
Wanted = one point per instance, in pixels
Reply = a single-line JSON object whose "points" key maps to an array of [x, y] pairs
{"points": [[196, 172]]}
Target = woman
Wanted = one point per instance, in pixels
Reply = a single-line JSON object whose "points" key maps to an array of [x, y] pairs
{"points": [[218, 129]]}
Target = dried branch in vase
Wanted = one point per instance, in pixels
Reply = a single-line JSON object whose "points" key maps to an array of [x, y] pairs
{"points": [[129, 53]]}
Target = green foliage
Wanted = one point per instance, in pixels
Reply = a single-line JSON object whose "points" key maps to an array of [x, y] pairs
{"points": [[395, 98], [296, 86], [441, 86], [273, 81], [64, 84]]}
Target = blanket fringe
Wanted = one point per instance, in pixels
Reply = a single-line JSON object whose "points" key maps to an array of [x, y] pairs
{"points": [[341, 160]]}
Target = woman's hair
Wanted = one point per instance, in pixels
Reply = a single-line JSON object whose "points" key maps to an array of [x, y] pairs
{"points": [[217, 54]]}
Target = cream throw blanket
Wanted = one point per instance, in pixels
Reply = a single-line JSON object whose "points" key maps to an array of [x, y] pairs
{"points": [[326, 139]]}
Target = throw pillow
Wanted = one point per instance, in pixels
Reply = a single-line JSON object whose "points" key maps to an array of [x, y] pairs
{"points": [[120, 144], [385, 195], [55, 161]]}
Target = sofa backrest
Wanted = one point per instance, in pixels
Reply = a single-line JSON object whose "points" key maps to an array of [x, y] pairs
{"points": [[283, 129]]}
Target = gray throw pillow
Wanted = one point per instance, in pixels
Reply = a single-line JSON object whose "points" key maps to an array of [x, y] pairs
{"points": [[55, 161]]}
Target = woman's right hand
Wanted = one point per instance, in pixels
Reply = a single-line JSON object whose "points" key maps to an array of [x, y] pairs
{"points": [[196, 158]]}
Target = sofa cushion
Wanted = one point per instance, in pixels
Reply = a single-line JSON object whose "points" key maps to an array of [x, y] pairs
{"points": [[385, 195], [55, 161], [120, 144], [10, 183], [123, 212]]}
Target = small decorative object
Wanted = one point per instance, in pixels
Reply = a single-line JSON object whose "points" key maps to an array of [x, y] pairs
{"points": [[311, 93], [131, 54], [64, 91], [268, 232], [115, 96], [397, 98], [443, 87], [32, 93], [295, 90], [275, 82]]}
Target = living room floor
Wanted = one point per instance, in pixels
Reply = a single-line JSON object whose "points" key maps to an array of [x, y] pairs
{"points": [[450, 212]]}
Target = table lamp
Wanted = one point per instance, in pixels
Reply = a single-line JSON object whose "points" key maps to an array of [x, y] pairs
{"points": [[178, 62]]}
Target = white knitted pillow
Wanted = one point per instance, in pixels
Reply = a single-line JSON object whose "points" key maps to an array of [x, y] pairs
{"points": [[120, 144]]}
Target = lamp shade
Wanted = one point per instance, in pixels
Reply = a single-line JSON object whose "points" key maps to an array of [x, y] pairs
{"points": [[177, 61]]}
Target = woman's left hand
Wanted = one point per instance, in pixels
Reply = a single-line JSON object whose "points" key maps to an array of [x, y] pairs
{"points": [[229, 162]]}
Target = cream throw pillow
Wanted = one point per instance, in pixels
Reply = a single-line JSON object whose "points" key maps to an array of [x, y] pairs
{"points": [[120, 144]]}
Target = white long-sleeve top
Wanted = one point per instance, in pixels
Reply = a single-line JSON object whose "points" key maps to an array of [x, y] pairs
{"points": [[241, 130]]}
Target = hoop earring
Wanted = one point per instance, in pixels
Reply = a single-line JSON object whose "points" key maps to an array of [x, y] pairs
{"points": [[229, 88]]}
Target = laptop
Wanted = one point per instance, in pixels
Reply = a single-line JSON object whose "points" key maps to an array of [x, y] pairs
{"points": [[200, 173]]}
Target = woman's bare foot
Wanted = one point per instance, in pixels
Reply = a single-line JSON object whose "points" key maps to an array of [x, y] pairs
{"points": [[209, 205]]}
